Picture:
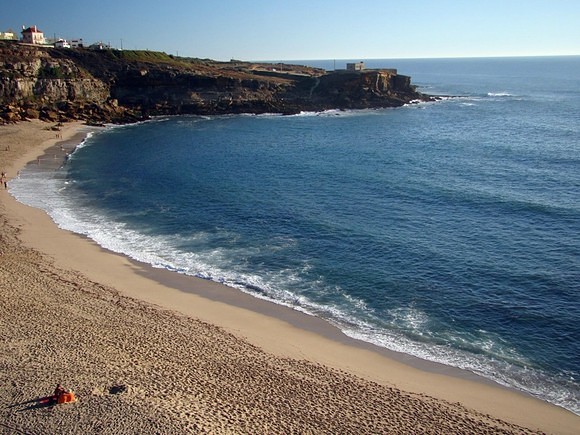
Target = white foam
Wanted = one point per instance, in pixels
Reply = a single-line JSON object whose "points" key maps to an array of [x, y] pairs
{"points": [[532, 381], [86, 140], [337, 112], [499, 94]]}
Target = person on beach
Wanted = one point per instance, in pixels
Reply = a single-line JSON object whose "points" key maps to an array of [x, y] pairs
{"points": [[4, 180], [62, 395], [58, 391]]}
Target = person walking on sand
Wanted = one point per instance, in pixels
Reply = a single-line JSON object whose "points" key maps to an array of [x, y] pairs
{"points": [[4, 180]]}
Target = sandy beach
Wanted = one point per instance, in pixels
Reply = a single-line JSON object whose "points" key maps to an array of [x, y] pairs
{"points": [[150, 351]]}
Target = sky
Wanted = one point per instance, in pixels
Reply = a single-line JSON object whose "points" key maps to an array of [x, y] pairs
{"points": [[310, 29]]}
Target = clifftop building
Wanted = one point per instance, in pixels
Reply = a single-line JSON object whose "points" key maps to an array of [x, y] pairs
{"points": [[359, 66], [32, 35], [8, 36], [62, 43]]}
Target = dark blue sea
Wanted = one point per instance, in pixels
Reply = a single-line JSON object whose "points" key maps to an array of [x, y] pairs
{"points": [[446, 230]]}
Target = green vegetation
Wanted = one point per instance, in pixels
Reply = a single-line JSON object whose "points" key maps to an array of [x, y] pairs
{"points": [[51, 72], [142, 55], [146, 56]]}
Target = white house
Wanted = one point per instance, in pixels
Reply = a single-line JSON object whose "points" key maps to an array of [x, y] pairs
{"points": [[99, 46], [77, 43], [62, 43], [32, 35], [359, 66], [8, 36]]}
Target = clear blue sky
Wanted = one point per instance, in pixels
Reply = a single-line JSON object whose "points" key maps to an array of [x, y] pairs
{"points": [[311, 29]]}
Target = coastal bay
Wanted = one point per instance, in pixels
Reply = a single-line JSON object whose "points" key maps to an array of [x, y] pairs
{"points": [[93, 320]]}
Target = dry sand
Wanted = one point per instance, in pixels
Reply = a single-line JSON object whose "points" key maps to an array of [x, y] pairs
{"points": [[148, 351]]}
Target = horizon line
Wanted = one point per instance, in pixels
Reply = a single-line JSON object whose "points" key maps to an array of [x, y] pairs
{"points": [[422, 58]]}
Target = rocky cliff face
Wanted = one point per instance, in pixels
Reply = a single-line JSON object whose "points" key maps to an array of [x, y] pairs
{"points": [[124, 86], [368, 89], [34, 84]]}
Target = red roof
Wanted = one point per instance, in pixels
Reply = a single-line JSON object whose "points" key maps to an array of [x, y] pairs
{"points": [[32, 29]]}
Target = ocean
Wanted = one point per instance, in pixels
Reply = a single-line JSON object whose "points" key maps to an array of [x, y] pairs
{"points": [[447, 230]]}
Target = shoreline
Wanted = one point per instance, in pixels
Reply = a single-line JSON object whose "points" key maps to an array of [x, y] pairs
{"points": [[263, 323]]}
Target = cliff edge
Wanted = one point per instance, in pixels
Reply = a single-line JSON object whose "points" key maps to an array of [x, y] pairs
{"points": [[126, 86]]}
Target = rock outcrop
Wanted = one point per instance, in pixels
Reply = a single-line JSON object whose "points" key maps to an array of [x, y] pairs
{"points": [[126, 86]]}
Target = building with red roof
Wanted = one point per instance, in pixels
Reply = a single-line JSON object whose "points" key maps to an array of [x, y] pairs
{"points": [[32, 35]]}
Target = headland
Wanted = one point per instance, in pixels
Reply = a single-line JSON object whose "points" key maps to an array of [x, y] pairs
{"points": [[115, 86]]}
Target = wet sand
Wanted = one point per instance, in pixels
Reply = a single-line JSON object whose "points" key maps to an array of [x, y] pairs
{"points": [[150, 351]]}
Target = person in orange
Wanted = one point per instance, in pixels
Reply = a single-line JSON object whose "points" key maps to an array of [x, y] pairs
{"points": [[58, 391]]}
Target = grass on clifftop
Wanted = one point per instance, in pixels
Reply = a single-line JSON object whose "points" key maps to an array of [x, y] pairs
{"points": [[143, 56], [157, 57]]}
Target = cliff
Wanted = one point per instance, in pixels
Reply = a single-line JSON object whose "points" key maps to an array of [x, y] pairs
{"points": [[125, 86]]}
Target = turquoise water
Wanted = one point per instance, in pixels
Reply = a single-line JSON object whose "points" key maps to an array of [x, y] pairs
{"points": [[447, 230]]}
